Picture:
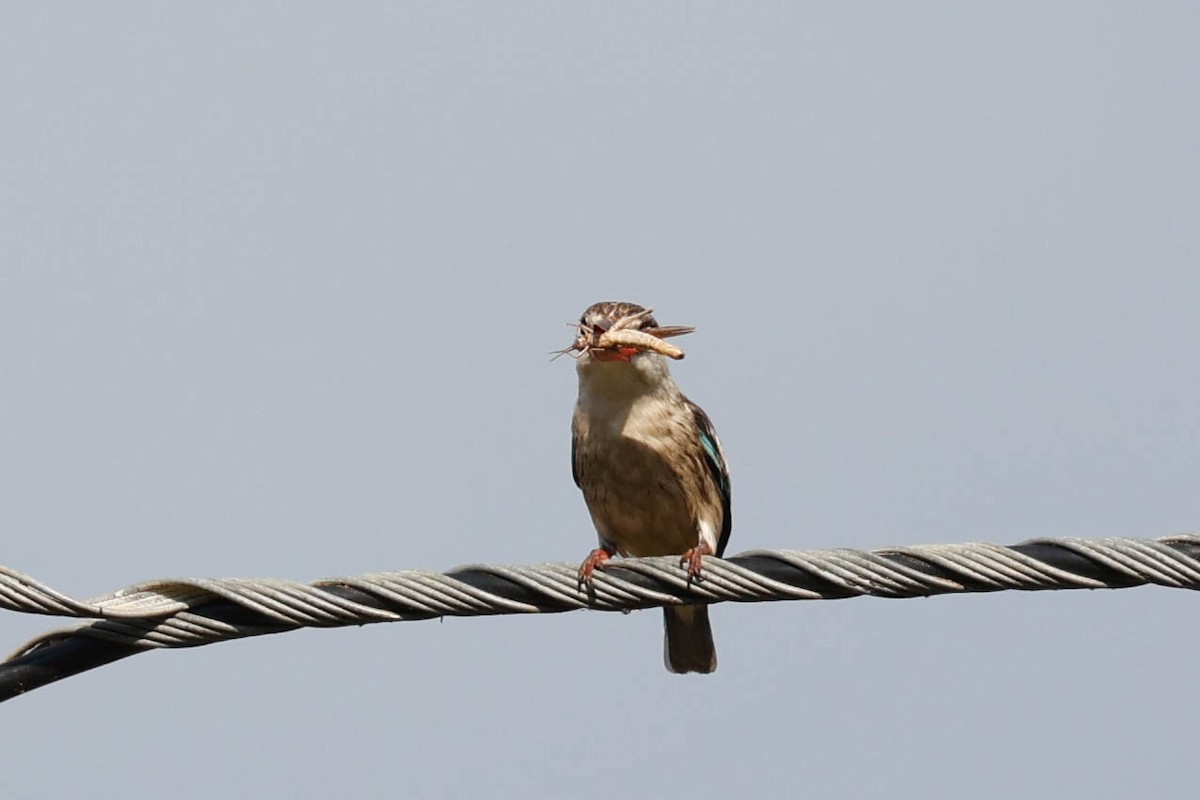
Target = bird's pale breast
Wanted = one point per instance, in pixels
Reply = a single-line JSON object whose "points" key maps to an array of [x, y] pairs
{"points": [[642, 473]]}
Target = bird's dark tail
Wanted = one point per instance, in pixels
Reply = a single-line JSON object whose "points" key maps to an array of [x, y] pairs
{"points": [[689, 642]]}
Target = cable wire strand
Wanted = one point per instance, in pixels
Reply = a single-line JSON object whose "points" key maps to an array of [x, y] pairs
{"points": [[190, 612]]}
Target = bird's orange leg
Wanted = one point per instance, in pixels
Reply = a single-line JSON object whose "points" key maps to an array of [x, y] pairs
{"points": [[693, 559], [594, 561]]}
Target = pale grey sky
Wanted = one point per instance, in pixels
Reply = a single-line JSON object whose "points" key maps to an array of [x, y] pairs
{"points": [[277, 287]]}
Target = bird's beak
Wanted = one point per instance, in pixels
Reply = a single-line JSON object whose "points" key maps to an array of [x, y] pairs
{"points": [[594, 350], [625, 354]]}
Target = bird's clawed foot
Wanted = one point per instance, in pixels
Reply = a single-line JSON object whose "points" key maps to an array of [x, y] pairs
{"points": [[594, 561], [693, 560]]}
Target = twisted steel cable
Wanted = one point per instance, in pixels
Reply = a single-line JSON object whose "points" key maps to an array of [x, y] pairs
{"points": [[194, 612]]}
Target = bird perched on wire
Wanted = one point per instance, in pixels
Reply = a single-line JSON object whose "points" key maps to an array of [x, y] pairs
{"points": [[648, 461]]}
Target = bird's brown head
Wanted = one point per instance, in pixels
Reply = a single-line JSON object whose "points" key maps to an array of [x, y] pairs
{"points": [[619, 331]]}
